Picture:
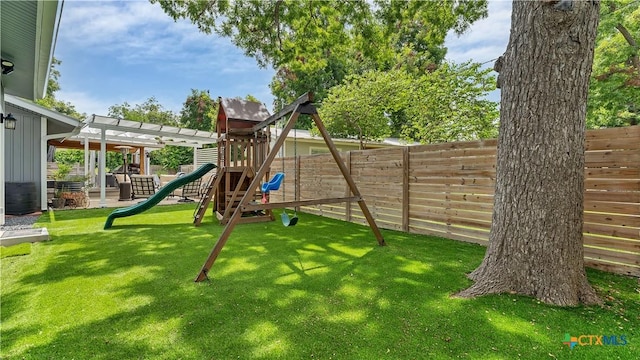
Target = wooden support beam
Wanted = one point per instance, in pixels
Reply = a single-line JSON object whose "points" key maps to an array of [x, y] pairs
{"points": [[306, 98], [347, 191], [229, 203], [287, 204], [348, 178], [302, 106], [237, 214]]}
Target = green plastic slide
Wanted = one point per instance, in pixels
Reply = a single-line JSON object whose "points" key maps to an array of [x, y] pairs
{"points": [[157, 197]]}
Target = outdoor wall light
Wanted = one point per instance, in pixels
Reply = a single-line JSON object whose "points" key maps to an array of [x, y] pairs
{"points": [[7, 66], [9, 121]]}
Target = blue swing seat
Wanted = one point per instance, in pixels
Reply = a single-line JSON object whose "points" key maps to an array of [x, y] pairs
{"points": [[274, 183]]}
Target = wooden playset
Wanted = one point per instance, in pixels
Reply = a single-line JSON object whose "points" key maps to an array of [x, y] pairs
{"points": [[244, 162]]}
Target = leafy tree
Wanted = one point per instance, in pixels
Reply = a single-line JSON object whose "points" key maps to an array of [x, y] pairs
{"points": [[150, 111], [535, 242], [449, 104], [444, 105], [199, 111], [314, 44], [69, 156], [614, 92], [75, 156], [362, 105], [171, 157]]}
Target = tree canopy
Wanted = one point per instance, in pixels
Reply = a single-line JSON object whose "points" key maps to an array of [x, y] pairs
{"points": [[447, 104], [150, 111], [314, 45], [614, 91]]}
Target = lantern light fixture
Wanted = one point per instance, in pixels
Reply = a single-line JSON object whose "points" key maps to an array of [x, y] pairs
{"points": [[7, 66], [9, 121]]}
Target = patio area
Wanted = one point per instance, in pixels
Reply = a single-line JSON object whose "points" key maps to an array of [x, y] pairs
{"points": [[113, 200], [19, 228]]}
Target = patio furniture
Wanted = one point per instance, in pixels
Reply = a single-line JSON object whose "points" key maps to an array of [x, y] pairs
{"points": [[190, 189], [142, 186], [124, 186]]}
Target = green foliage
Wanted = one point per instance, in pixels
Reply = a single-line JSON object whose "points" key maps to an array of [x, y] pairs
{"points": [[74, 156], [171, 157], [62, 172], [614, 90], [69, 156], [447, 104], [151, 111], [362, 106], [450, 105], [323, 289], [199, 111], [315, 44]]}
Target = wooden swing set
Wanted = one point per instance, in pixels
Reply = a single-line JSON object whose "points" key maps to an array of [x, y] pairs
{"points": [[233, 215]]}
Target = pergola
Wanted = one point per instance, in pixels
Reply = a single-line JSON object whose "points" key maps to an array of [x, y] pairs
{"points": [[107, 134]]}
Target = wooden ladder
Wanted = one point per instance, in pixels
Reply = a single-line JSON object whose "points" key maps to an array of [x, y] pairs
{"points": [[205, 200]]}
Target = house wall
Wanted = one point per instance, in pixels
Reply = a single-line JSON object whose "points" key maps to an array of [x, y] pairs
{"points": [[22, 149], [317, 146]]}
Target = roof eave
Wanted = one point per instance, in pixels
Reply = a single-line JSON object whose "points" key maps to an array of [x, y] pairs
{"points": [[47, 24]]}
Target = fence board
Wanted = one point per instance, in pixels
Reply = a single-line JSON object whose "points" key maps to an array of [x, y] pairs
{"points": [[610, 144], [613, 133], [612, 255], [612, 207], [612, 184], [447, 190], [617, 158], [612, 196], [612, 219], [630, 246]]}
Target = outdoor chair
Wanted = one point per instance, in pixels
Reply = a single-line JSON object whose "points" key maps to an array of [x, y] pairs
{"points": [[142, 186], [165, 179], [190, 189]]}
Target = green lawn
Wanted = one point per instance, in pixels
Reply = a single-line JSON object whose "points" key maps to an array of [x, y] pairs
{"points": [[323, 289]]}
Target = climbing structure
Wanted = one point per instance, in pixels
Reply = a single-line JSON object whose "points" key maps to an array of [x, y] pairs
{"points": [[242, 149], [251, 134]]}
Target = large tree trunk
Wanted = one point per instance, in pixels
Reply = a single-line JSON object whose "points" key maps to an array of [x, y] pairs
{"points": [[535, 244]]}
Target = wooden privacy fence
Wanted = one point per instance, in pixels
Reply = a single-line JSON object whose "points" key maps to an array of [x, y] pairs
{"points": [[447, 190]]}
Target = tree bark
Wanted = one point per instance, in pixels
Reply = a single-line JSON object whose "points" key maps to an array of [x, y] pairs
{"points": [[535, 243]]}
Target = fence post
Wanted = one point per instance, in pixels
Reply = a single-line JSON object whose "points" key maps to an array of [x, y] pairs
{"points": [[405, 189], [347, 190]]}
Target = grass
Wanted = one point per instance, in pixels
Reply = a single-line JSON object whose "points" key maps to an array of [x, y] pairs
{"points": [[322, 289], [15, 250]]}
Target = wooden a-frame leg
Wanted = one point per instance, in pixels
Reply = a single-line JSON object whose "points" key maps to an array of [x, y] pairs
{"points": [[348, 178], [237, 214]]}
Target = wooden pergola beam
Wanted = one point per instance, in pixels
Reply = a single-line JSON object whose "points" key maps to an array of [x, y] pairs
{"points": [[74, 144]]}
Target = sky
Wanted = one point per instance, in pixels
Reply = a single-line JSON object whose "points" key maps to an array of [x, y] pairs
{"points": [[128, 51]]}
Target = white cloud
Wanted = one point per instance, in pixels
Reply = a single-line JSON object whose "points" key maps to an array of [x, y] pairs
{"points": [[85, 103], [486, 39], [139, 33]]}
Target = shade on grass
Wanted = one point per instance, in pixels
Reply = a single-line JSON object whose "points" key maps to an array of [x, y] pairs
{"points": [[15, 250], [323, 289]]}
